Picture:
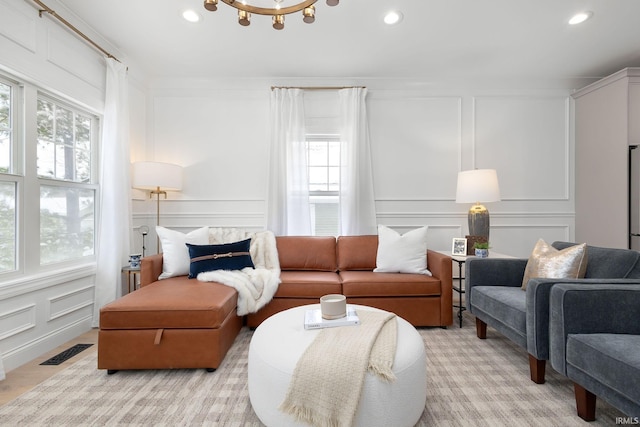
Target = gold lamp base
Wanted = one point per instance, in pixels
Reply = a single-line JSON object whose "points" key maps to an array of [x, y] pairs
{"points": [[157, 192], [479, 221]]}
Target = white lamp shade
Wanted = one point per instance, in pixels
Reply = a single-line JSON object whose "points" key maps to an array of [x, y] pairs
{"points": [[151, 175], [478, 185]]}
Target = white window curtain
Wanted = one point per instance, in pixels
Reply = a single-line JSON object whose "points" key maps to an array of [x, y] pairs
{"points": [[114, 223], [288, 210], [357, 203]]}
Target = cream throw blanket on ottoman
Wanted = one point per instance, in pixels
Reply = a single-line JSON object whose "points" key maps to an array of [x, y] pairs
{"points": [[255, 286], [327, 381]]}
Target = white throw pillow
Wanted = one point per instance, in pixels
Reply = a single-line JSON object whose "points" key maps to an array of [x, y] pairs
{"points": [[175, 254], [402, 253]]}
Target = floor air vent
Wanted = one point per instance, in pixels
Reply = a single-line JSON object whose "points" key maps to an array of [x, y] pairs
{"points": [[67, 354]]}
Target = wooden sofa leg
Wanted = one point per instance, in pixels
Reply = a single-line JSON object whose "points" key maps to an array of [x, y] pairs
{"points": [[536, 369], [481, 329], [585, 403]]}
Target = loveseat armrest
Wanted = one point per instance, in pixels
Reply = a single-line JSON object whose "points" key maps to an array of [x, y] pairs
{"points": [[493, 272], [595, 308], [440, 266], [538, 309], [150, 269]]}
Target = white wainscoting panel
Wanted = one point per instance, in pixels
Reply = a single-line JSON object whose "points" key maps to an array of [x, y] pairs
{"points": [[42, 318], [222, 142], [527, 140], [416, 146], [75, 57], [17, 320], [71, 302], [17, 26]]}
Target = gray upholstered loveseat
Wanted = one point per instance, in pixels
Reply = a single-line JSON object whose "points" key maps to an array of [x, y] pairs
{"points": [[495, 297], [595, 342]]}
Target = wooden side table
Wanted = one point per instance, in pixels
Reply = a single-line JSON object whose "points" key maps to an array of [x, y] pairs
{"points": [[133, 276], [461, 260]]}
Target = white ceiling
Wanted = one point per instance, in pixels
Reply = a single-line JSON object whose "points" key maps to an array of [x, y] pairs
{"points": [[456, 39]]}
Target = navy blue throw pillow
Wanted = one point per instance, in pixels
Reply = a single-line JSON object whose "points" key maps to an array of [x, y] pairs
{"points": [[230, 256]]}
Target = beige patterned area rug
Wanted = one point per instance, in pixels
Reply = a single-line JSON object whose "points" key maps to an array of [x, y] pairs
{"points": [[471, 382]]}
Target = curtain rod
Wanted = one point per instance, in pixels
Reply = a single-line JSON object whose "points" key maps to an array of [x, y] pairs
{"points": [[53, 13], [318, 87]]}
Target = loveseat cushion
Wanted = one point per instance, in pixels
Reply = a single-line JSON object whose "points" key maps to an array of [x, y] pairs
{"points": [[505, 304], [308, 284], [357, 252], [177, 302], [307, 253], [370, 284], [610, 359]]}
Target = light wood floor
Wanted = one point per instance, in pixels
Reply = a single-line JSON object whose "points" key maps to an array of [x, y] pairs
{"points": [[29, 375]]}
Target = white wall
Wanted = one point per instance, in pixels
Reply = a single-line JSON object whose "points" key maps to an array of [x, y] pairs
{"points": [[420, 139]]}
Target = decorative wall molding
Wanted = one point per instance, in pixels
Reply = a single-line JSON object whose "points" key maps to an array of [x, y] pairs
{"points": [[44, 280], [512, 129], [18, 27], [17, 321], [78, 298]]}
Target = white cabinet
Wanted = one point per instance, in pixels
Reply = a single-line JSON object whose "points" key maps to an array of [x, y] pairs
{"points": [[607, 121]]}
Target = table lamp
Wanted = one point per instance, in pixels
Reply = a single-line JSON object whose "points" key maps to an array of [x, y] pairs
{"points": [[478, 186]]}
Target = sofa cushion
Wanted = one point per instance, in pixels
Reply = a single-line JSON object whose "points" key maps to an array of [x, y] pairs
{"points": [[548, 262], [310, 253], [612, 360], [402, 253], [608, 263], [370, 284], [308, 284], [175, 255], [357, 252], [228, 256], [171, 303], [506, 304]]}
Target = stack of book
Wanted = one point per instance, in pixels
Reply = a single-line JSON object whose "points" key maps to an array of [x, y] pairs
{"points": [[313, 319]]}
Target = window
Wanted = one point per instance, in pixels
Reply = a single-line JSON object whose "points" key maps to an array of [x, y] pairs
{"points": [[8, 183], [323, 160], [64, 143], [64, 166]]}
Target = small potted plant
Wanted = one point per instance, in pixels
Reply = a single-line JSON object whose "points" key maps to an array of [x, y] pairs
{"points": [[481, 249]]}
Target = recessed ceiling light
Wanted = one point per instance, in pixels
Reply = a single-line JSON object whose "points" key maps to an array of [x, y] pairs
{"points": [[579, 18], [191, 15], [393, 17]]}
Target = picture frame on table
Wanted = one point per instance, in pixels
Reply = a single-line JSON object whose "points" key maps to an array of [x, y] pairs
{"points": [[459, 246]]}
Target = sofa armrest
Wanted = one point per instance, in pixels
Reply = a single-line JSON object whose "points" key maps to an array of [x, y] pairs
{"points": [[595, 308], [440, 266], [493, 272], [150, 269]]}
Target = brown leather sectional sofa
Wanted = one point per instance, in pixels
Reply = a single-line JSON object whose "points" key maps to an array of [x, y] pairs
{"points": [[184, 323]]}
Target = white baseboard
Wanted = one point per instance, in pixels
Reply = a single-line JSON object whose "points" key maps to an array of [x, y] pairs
{"points": [[37, 347]]}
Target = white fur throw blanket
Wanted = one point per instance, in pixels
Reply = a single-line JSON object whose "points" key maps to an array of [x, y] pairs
{"points": [[255, 286], [327, 382]]}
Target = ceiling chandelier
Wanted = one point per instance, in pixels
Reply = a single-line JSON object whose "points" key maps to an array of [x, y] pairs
{"points": [[278, 9]]}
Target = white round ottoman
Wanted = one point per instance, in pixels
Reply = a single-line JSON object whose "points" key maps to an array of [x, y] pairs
{"points": [[280, 341]]}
